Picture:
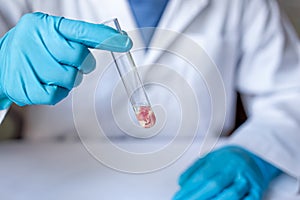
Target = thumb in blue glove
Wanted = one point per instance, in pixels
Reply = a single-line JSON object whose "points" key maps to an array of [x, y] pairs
{"points": [[230, 173], [43, 56]]}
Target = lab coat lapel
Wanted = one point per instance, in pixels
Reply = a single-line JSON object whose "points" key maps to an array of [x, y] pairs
{"points": [[178, 15]]}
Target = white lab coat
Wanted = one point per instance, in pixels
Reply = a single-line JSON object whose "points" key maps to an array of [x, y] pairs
{"points": [[253, 46]]}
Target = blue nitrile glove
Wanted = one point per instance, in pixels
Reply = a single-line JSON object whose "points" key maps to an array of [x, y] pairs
{"points": [[230, 173], [43, 56]]}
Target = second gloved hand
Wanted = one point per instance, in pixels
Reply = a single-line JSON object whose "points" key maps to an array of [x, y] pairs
{"points": [[230, 173], [43, 56]]}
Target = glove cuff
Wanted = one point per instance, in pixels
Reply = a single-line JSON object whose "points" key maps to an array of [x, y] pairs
{"points": [[268, 171], [4, 101]]}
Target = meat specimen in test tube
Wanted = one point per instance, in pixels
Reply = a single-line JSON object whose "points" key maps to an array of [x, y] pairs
{"points": [[145, 116]]}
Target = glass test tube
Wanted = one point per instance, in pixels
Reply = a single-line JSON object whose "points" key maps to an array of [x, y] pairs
{"points": [[132, 82]]}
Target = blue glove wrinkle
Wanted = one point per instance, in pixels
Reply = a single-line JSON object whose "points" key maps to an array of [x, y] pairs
{"points": [[215, 185], [239, 187], [236, 191]]}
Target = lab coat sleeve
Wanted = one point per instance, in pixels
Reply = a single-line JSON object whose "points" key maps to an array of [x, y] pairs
{"points": [[2, 114], [269, 81]]}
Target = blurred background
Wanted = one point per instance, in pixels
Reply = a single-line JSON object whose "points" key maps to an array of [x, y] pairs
{"points": [[292, 8]]}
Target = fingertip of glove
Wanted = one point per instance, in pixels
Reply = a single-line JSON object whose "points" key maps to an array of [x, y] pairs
{"points": [[117, 43]]}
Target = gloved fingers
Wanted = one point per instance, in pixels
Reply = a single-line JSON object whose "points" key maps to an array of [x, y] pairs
{"points": [[251, 197], [31, 91], [50, 72], [71, 53], [66, 79], [76, 55], [94, 35], [205, 189], [45, 37], [203, 173], [256, 184], [48, 95], [188, 173], [236, 191], [88, 64], [72, 78], [52, 95], [254, 194]]}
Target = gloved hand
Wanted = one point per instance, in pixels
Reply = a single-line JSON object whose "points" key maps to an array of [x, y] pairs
{"points": [[43, 56], [230, 173]]}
